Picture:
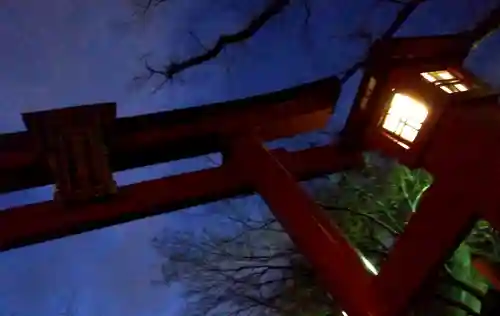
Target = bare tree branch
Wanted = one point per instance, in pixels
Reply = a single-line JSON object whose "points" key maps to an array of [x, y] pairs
{"points": [[147, 5], [241, 274], [307, 9], [274, 8], [197, 40], [224, 270], [382, 224], [401, 18], [396, 24], [480, 31], [264, 267]]}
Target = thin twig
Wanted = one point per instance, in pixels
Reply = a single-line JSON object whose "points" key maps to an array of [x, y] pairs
{"points": [[150, 4], [390, 229], [396, 24], [197, 40], [307, 8]]}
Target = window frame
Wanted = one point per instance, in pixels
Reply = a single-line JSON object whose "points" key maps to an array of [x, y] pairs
{"points": [[403, 122], [451, 85]]}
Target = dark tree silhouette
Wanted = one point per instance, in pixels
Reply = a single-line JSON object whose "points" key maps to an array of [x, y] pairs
{"points": [[274, 8], [256, 270]]}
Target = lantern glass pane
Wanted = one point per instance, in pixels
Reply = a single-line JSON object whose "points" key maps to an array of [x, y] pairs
{"points": [[445, 80], [405, 117], [409, 133], [446, 89], [427, 76], [391, 122], [444, 75], [461, 87]]}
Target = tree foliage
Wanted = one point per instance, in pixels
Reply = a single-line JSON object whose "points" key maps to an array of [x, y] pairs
{"points": [[256, 270]]}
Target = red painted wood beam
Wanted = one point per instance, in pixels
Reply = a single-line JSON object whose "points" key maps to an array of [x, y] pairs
{"points": [[166, 136], [463, 158], [336, 263], [443, 219], [489, 270], [34, 223], [424, 48]]}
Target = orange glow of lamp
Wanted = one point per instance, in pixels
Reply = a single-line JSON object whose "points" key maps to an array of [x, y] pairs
{"points": [[405, 117]]}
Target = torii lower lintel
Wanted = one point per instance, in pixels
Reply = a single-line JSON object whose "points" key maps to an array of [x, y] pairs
{"points": [[75, 152], [25, 225], [78, 148]]}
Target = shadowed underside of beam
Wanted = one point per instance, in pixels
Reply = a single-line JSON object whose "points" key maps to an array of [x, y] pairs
{"points": [[35, 223], [167, 136]]}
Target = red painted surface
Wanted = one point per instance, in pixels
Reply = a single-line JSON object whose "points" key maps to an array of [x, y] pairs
{"points": [[166, 136], [29, 224], [315, 235], [489, 270], [460, 149], [462, 154], [458, 145], [432, 234]]}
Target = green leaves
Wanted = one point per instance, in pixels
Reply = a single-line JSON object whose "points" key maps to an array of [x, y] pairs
{"points": [[376, 204], [256, 268]]}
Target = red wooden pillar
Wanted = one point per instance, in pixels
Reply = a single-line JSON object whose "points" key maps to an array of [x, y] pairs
{"points": [[444, 217], [314, 234], [463, 157], [489, 270]]}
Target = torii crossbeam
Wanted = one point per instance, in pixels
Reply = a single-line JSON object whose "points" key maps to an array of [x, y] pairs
{"points": [[79, 148], [39, 156]]}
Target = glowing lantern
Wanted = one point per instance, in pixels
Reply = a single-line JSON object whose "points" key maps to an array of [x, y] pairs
{"points": [[405, 117], [407, 84]]}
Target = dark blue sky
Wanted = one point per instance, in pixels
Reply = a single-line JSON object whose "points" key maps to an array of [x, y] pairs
{"points": [[60, 53]]}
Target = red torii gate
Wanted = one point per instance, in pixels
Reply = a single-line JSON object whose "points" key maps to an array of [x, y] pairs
{"points": [[79, 148], [143, 140]]}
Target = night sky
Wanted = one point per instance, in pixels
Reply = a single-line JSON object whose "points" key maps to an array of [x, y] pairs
{"points": [[60, 53]]}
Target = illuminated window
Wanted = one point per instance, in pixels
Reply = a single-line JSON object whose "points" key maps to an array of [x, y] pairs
{"points": [[445, 80], [405, 117]]}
